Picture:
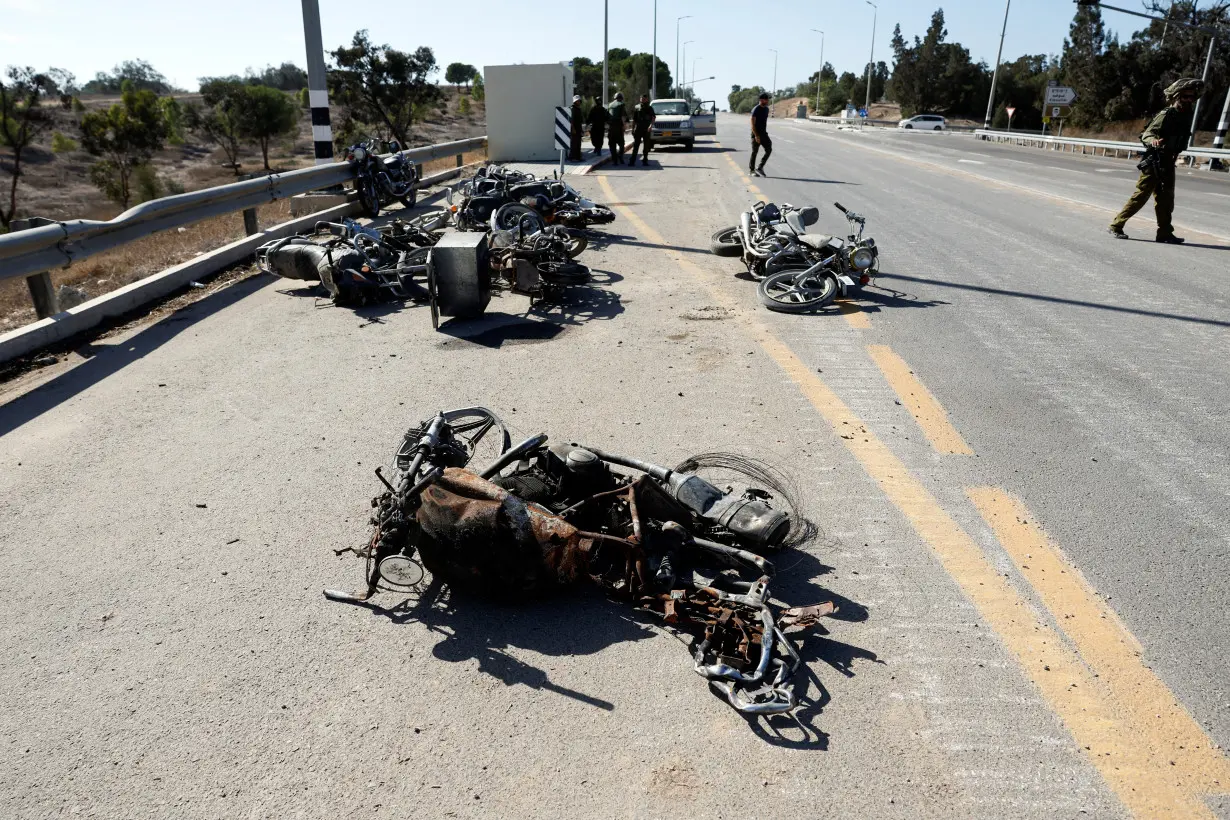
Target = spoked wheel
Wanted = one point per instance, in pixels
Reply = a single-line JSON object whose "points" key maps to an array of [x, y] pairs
{"points": [[409, 199], [795, 291], [510, 215], [726, 242], [563, 273]]}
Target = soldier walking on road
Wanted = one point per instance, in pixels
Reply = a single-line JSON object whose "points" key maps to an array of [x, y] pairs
{"points": [[1164, 139], [760, 135], [643, 117], [597, 125], [616, 115], [576, 130]]}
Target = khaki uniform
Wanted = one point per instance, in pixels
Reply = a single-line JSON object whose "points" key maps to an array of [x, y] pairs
{"points": [[642, 120], [1172, 127], [616, 112]]}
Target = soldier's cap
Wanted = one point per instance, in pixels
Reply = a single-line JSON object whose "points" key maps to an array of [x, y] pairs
{"points": [[1186, 84], [576, 98], [619, 96]]}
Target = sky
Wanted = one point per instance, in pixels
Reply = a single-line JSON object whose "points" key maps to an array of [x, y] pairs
{"points": [[731, 41]]}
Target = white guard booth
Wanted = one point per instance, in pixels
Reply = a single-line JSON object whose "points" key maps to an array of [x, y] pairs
{"points": [[521, 101]]}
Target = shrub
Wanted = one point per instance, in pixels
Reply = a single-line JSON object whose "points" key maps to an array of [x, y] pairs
{"points": [[61, 144], [463, 107], [305, 100]]}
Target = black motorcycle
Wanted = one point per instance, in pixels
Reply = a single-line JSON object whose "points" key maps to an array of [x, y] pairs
{"points": [[380, 180]]}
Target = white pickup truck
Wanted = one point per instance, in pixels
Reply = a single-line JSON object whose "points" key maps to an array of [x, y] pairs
{"points": [[680, 122]]}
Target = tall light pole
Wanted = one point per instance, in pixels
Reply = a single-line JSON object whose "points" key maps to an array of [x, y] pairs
{"points": [[653, 81], [821, 71], [677, 21], [995, 73], [684, 67], [1205, 79], [773, 90], [318, 94], [606, 30], [871, 62]]}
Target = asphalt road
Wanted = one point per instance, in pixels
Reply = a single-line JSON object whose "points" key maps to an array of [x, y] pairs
{"points": [[1024, 405]]}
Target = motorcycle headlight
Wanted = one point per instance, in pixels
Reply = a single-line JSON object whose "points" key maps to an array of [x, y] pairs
{"points": [[359, 153], [861, 259]]}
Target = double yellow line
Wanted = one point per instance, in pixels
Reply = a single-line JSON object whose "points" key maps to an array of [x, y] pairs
{"points": [[1083, 661]]}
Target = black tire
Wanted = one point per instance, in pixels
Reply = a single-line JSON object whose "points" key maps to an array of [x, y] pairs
{"points": [[689, 145], [909, 127], [576, 244], [782, 292], [408, 201], [369, 197], [433, 296], [726, 242], [563, 273], [509, 215]]}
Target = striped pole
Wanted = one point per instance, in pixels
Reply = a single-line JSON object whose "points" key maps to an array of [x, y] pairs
{"points": [[318, 96]]}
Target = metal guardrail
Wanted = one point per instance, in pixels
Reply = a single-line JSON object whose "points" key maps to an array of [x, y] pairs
{"points": [[59, 244], [882, 123], [1074, 145]]}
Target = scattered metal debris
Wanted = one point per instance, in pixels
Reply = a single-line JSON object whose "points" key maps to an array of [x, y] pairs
{"points": [[540, 518]]}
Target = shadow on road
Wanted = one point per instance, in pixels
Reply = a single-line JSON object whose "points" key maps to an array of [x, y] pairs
{"points": [[603, 241], [104, 360], [1188, 244], [582, 622], [817, 181], [544, 321], [1061, 301]]}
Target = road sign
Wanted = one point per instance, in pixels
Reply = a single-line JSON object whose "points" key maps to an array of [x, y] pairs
{"points": [[1060, 95], [563, 128], [1011, 111], [862, 112], [1060, 112]]}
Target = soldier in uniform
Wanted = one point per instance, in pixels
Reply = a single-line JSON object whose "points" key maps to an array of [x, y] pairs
{"points": [[1166, 138], [616, 114], [597, 125], [576, 130], [642, 120]]}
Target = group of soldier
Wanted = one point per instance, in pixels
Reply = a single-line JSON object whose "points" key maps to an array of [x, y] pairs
{"points": [[608, 123]]}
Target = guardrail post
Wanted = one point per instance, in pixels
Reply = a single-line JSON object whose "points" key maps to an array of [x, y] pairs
{"points": [[42, 292], [250, 225], [460, 160]]}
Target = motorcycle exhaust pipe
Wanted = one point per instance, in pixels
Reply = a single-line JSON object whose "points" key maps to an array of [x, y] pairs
{"points": [[748, 518], [745, 230]]}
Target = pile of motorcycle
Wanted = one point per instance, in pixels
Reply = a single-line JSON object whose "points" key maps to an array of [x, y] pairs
{"points": [[535, 230], [799, 271], [541, 518]]}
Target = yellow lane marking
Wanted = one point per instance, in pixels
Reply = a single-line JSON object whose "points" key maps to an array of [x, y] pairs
{"points": [[747, 182], [926, 409], [855, 315], [1061, 678], [1180, 749]]}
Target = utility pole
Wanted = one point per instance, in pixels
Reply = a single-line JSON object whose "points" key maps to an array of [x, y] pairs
{"points": [[653, 82], [318, 95], [871, 63], [677, 21], [1205, 79], [773, 90], [821, 71], [1219, 139], [995, 75], [606, 30]]}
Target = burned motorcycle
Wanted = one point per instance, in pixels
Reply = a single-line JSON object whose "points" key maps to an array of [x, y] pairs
{"points": [[538, 518]]}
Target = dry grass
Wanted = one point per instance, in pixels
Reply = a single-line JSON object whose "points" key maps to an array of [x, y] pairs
{"points": [[444, 163], [116, 268]]}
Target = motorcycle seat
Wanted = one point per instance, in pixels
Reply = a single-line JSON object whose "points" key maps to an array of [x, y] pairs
{"points": [[819, 241], [782, 229]]}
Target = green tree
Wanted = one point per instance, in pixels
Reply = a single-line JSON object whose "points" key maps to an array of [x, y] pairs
{"points": [[479, 92], [458, 73], [264, 114], [383, 87], [286, 77], [124, 136], [140, 73], [934, 75], [22, 120], [220, 122]]}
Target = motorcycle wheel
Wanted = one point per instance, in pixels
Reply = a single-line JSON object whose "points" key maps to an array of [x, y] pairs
{"points": [[369, 198], [563, 273], [576, 243], [602, 215], [726, 242], [509, 215], [792, 292], [408, 201]]}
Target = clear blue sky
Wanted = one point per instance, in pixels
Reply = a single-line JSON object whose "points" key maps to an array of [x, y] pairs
{"points": [[732, 39]]}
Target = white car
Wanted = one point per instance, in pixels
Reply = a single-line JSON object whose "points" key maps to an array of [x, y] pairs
{"points": [[674, 123], [924, 122]]}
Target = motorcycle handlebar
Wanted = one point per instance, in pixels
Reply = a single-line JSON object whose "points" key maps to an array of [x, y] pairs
{"points": [[839, 207]]}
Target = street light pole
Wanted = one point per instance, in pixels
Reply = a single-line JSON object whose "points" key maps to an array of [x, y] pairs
{"points": [[773, 90], [653, 82], [318, 94], [1204, 78], [871, 62], [821, 71], [606, 30], [677, 21], [995, 74]]}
